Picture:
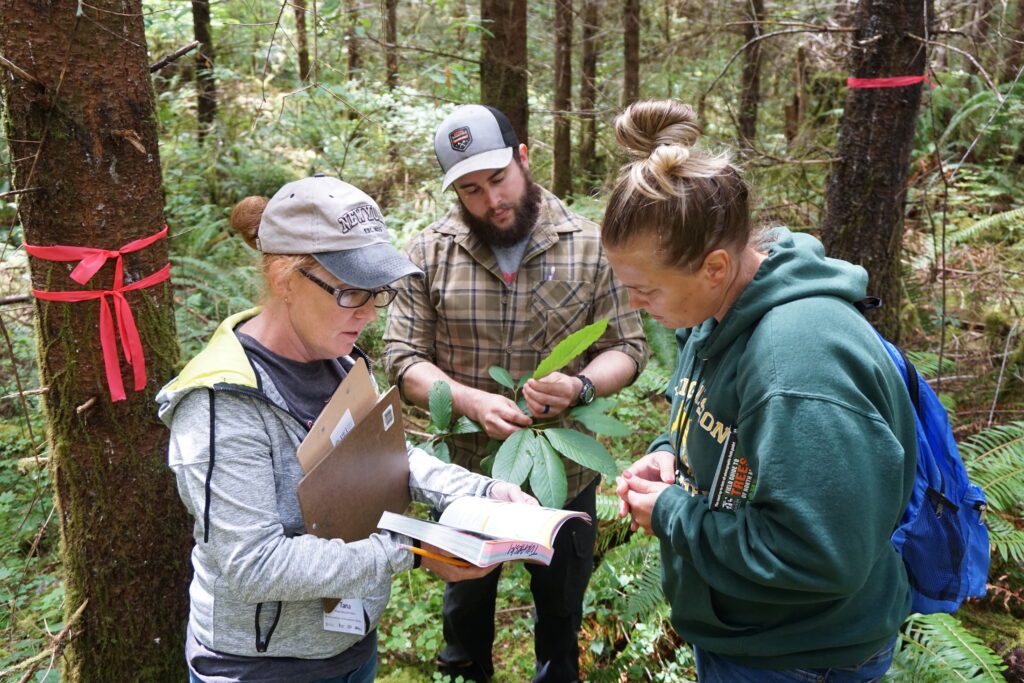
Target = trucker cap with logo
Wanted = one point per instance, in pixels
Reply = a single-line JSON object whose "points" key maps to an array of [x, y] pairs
{"points": [[472, 138], [337, 224]]}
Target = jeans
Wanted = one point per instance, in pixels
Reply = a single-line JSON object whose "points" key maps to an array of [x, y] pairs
{"points": [[364, 674], [712, 668], [558, 602]]}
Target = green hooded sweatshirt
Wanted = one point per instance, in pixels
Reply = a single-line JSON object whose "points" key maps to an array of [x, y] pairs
{"points": [[801, 572]]}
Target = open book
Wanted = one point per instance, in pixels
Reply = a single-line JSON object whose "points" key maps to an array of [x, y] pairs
{"points": [[484, 531]]}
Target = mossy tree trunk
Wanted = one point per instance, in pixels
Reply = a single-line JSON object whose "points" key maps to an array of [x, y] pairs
{"points": [[80, 122], [868, 185]]}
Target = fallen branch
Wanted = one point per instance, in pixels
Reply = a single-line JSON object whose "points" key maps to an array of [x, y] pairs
{"points": [[49, 650], [177, 54]]}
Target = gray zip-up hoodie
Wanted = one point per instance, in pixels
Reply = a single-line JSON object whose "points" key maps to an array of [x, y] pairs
{"points": [[258, 576]]}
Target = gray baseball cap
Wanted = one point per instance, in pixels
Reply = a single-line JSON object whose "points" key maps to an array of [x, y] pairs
{"points": [[472, 138], [337, 224]]}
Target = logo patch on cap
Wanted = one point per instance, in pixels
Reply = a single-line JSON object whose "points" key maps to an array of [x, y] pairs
{"points": [[460, 138]]}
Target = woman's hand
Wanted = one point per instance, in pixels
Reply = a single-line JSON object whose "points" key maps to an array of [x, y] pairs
{"points": [[502, 490], [450, 572], [657, 467]]}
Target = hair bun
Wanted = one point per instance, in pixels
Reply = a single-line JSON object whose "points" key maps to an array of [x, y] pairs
{"points": [[649, 124], [245, 218]]}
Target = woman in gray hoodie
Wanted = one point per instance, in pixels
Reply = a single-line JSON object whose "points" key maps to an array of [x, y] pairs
{"points": [[237, 414]]}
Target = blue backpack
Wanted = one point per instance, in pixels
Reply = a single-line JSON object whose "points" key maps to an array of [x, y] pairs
{"points": [[942, 538]]}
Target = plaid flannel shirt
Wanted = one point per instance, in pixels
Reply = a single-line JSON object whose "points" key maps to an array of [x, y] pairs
{"points": [[464, 318]]}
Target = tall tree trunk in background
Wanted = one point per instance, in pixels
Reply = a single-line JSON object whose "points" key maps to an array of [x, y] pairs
{"points": [[750, 94], [867, 187], [391, 43], [795, 111], [352, 43], [206, 86], [84, 135], [301, 43], [630, 51], [588, 96], [1015, 51], [503, 73], [561, 176]]}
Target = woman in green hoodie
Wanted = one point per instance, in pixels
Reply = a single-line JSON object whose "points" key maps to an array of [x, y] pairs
{"points": [[790, 452]]}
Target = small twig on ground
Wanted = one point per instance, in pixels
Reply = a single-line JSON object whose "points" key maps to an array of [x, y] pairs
{"points": [[1002, 370]]}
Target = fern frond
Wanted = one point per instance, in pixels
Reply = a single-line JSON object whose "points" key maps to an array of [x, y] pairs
{"points": [[951, 649], [1012, 218], [1008, 544], [645, 592], [995, 461], [607, 508], [927, 363]]}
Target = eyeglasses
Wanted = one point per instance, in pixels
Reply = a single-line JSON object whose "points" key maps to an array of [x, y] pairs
{"points": [[355, 298]]}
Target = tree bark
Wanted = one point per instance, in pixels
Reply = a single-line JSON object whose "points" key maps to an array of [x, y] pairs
{"points": [[561, 180], [1015, 51], [301, 43], [630, 52], [750, 94], [867, 187], [588, 96], [206, 85], [86, 138], [391, 43], [353, 45], [503, 73], [795, 112]]}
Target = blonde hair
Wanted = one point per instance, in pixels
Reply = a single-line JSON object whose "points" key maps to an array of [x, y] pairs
{"points": [[245, 220], [689, 201]]}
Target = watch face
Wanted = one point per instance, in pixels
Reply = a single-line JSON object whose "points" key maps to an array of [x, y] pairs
{"points": [[586, 391]]}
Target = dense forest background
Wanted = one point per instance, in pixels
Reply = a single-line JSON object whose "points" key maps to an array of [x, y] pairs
{"points": [[920, 183]]}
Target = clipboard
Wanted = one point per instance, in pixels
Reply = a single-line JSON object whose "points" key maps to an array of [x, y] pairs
{"points": [[355, 395], [367, 472]]}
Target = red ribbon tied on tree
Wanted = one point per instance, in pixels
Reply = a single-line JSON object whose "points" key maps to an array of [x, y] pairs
{"points": [[90, 260], [891, 82]]}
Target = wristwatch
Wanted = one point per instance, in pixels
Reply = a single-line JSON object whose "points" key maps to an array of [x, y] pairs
{"points": [[587, 391]]}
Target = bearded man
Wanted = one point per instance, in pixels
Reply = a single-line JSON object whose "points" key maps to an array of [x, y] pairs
{"points": [[510, 272]]}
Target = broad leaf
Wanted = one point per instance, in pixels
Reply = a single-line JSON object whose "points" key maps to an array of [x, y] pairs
{"points": [[440, 402], [501, 376], [547, 478], [522, 381], [570, 347], [586, 450], [514, 459], [605, 425], [441, 452], [486, 464], [466, 426]]}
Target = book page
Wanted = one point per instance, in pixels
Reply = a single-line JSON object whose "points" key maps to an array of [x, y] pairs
{"points": [[502, 519]]}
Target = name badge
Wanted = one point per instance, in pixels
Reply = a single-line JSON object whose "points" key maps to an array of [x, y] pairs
{"points": [[346, 617]]}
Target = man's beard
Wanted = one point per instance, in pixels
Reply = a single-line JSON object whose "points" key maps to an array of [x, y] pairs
{"points": [[526, 213]]}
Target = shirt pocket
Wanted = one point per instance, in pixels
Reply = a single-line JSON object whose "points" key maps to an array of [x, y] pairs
{"points": [[560, 308]]}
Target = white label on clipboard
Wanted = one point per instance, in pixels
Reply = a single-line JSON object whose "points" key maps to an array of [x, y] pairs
{"points": [[344, 426], [388, 416]]}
